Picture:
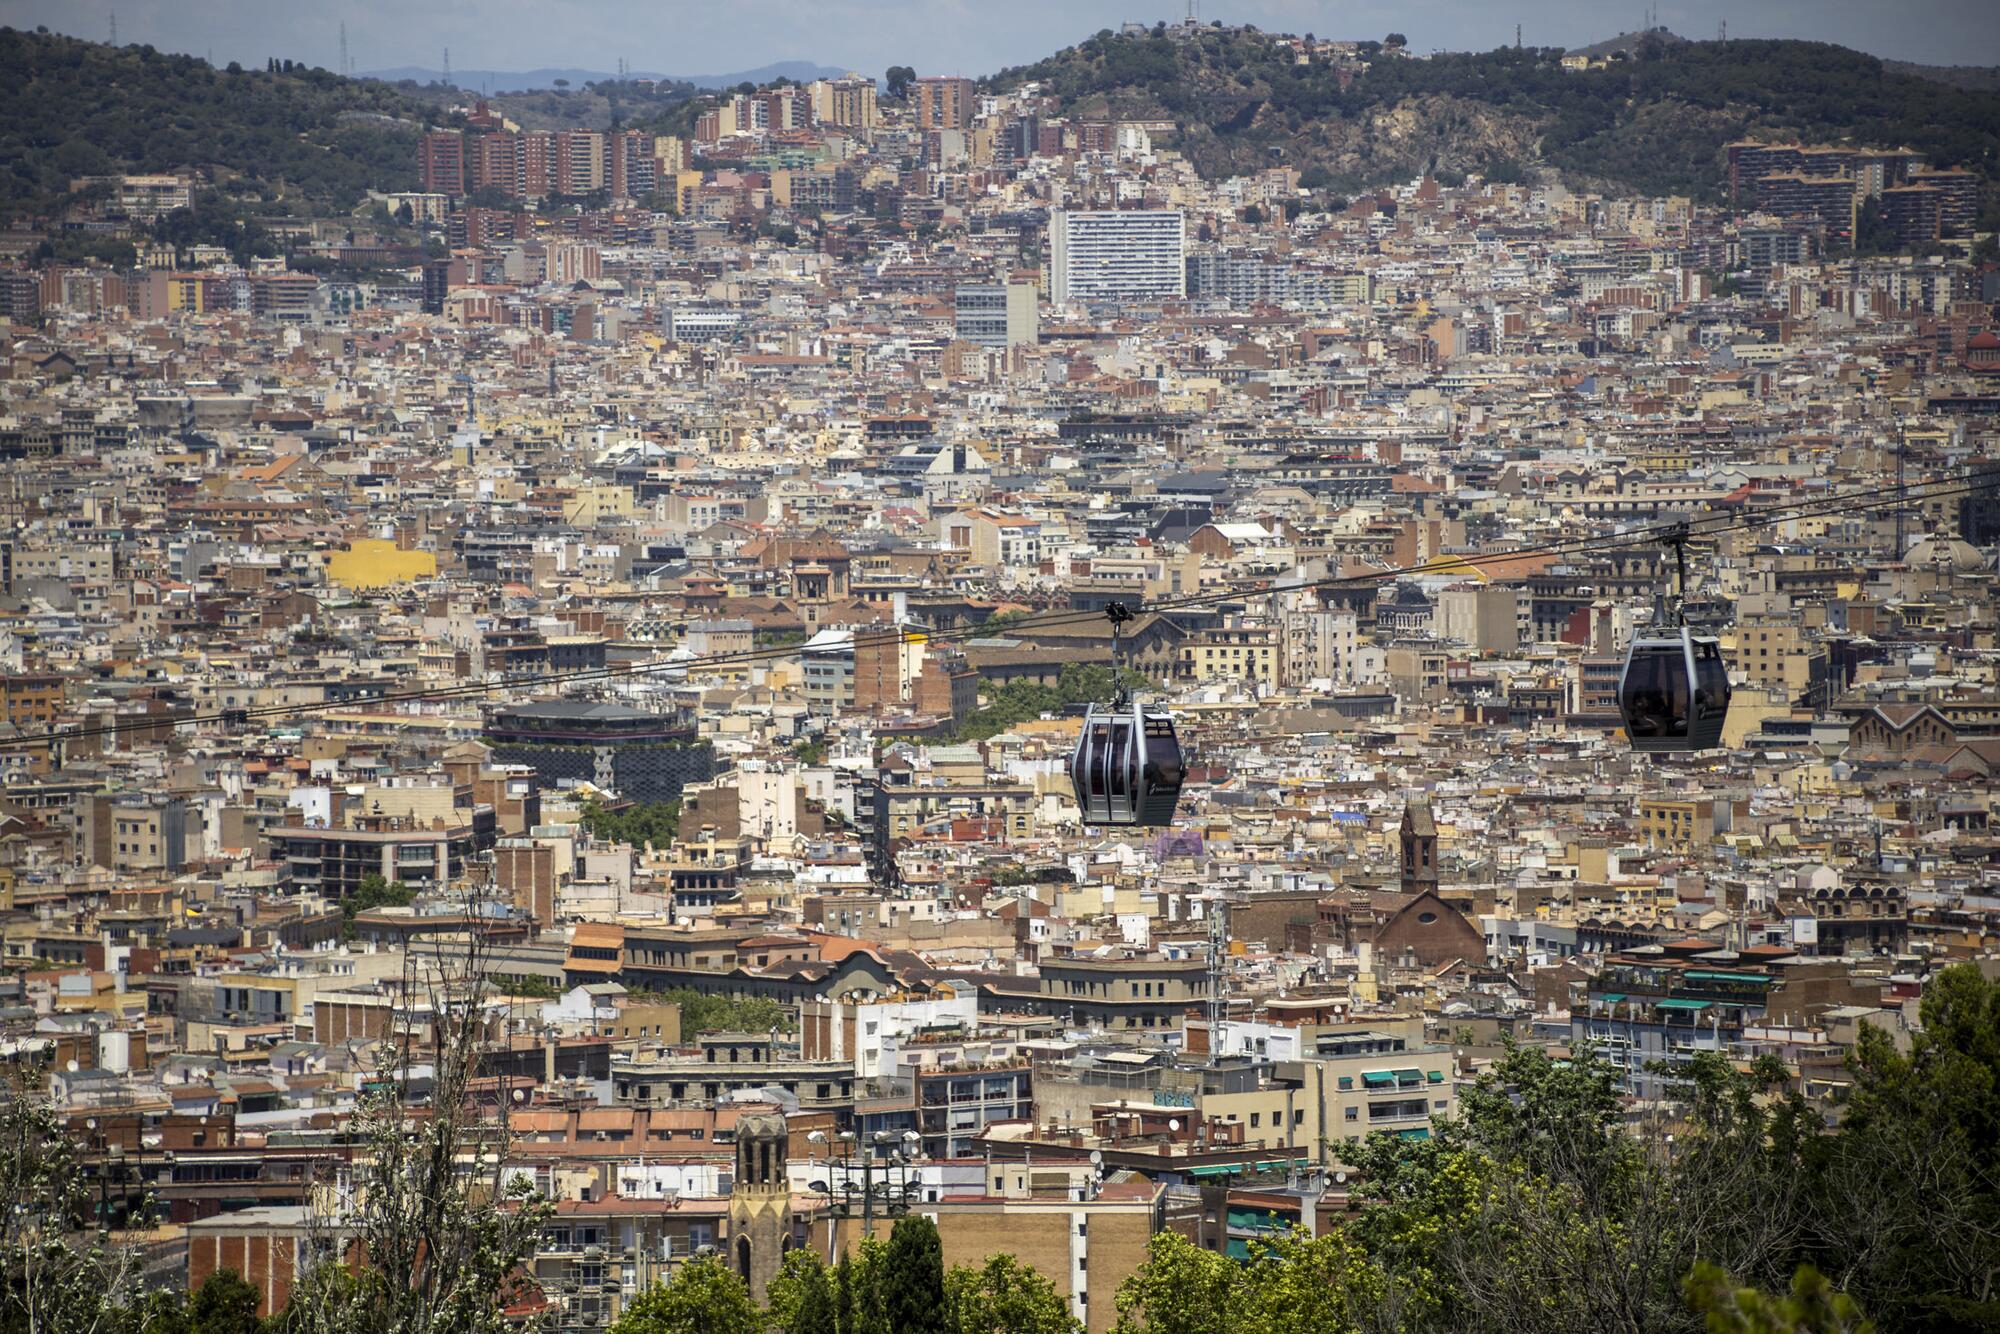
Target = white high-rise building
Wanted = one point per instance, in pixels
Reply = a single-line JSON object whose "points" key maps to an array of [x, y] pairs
{"points": [[1113, 258]]}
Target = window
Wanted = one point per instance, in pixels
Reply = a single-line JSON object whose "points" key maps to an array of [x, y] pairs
{"points": [[1353, 1113]]}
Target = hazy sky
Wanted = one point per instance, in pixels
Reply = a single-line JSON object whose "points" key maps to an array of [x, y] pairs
{"points": [[939, 36]]}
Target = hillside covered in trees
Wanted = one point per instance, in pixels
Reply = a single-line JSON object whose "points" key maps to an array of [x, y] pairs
{"points": [[1654, 123], [71, 108]]}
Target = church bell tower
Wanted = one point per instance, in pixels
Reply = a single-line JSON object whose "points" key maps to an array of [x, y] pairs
{"points": [[760, 1201]]}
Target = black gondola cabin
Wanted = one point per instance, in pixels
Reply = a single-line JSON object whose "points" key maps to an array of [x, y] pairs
{"points": [[1674, 693], [1127, 766]]}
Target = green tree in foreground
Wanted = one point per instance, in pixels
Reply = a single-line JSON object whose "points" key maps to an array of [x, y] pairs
{"points": [[1291, 1284], [703, 1297], [1003, 1296], [800, 1297], [1911, 1219], [1813, 1307], [224, 1304], [913, 1277], [1180, 1289]]}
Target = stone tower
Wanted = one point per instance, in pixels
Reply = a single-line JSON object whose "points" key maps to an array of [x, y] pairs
{"points": [[1420, 847], [760, 1202], [812, 589]]}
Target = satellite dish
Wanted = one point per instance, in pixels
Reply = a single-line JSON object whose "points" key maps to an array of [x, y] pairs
{"points": [[1340, 1178], [72, 1067], [1097, 1157], [1174, 1124]]}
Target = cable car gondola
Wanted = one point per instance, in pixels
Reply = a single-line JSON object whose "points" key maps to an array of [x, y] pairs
{"points": [[1674, 691], [1127, 766]]}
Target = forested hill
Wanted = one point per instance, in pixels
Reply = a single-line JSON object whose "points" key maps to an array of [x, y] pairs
{"points": [[72, 108], [1655, 122]]}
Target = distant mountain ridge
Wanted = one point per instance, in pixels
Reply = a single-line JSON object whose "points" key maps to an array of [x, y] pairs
{"points": [[504, 81]]}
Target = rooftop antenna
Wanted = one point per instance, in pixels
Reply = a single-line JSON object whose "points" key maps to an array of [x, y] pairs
{"points": [[447, 67], [1722, 31], [1517, 36], [346, 67], [114, 27]]}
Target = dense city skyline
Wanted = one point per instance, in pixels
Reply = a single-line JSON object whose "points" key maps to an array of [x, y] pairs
{"points": [[1248, 682]]}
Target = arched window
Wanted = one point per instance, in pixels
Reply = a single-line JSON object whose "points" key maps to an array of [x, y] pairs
{"points": [[743, 1257]]}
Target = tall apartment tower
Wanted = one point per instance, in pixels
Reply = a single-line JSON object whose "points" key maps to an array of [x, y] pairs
{"points": [[849, 104], [943, 102], [1118, 257], [441, 162]]}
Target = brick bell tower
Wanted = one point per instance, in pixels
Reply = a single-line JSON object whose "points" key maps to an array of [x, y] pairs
{"points": [[1420, 839], [760, 1201]]}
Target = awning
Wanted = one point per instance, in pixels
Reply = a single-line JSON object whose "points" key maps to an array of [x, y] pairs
{"points": [[1613, 998], [1684, 1005], [1411, 1075], [1436, 1076], [1376, 1079], [1707, 976]]}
